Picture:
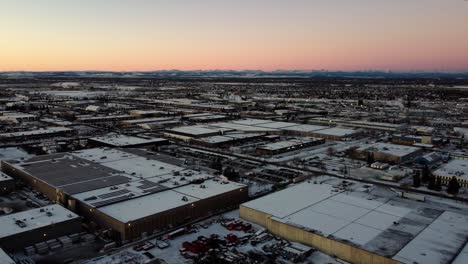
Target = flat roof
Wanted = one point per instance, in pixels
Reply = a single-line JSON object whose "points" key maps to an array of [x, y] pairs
{"points": [[390, 149], [337, 131], [4, 258], [119, 140], [34, 219], [126, 185], [216, 139], [455, 167], [251, 121], [243, 128], [371, 218], [143, 206], [305, 128], [288, 143], [48, 130], [196, 130], [277, 125]]}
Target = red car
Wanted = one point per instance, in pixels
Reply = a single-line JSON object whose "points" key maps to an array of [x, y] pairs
{"points": [[231, 238]]}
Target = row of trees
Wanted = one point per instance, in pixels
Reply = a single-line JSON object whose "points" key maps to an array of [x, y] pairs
{"points": [[228, 172], [433, 182]]}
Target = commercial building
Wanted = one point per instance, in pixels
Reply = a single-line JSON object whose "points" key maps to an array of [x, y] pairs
{"points": [[197, 131], [411, 139], [455, 168], [103, 119], [13, 117], [37, 225], [226, 139], [124, 141], [360, 223], [36, 134], [288, 145], [130, 192], [390, 153]]}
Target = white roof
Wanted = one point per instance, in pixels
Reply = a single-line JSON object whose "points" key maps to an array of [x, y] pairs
{"points": [[337, 131], [391, 149], [244, 128], [4, 177], [290, 200], [4, 258], [144, 206], [142, 167], [376, 221], [34, 218], [195, 130], [119, 140], [305, 128], [277, 125], [101, 155], [439, 242], [456, 167], [211, 188], [462, 257], [251, 121]]}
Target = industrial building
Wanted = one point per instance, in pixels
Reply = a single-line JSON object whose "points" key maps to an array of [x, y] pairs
{"points": [[7, 183], [455, 168], [390, 153], [124, 141], [226, 139], [361, 223], [37, 225], [14, 117], [103, 119], [132, 193], [197, 131], [270, 127], [411, 139], [36, 134], [288, 145]]}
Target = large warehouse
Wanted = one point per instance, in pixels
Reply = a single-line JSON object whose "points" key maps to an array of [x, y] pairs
{"points": [[130, 192], [361, 223], [386, 152]]}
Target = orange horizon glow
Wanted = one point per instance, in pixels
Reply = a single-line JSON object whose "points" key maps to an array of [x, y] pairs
{"points": [[142, 35]]}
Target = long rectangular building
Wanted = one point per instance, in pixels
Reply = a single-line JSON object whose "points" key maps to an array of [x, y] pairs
{"points": [[130, 194], [361, 223]]}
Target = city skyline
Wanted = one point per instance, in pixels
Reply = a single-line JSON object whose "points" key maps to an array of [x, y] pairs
{"points": [[234, 35]]}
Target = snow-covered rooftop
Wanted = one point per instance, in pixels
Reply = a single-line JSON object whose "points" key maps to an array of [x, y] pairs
{"points": [[33, 219], [456, 167], [370, 218], [48, 130], [4, 258], [390, 149], [119, 140]]}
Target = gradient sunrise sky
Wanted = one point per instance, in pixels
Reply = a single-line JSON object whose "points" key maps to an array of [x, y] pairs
{"points": [[129, 35]]}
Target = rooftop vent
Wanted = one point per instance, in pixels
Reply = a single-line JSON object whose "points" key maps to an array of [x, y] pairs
{"points": [[20, 223]]}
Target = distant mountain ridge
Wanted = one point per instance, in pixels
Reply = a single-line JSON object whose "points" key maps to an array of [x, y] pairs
{"points": [[238, 73]]}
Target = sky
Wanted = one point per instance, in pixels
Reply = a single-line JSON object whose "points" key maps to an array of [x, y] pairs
{"points": [[145, 35]]}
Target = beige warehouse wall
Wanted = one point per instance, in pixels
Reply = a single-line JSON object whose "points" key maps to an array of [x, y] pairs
{"points": [[254, 216], [329, 246]]}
